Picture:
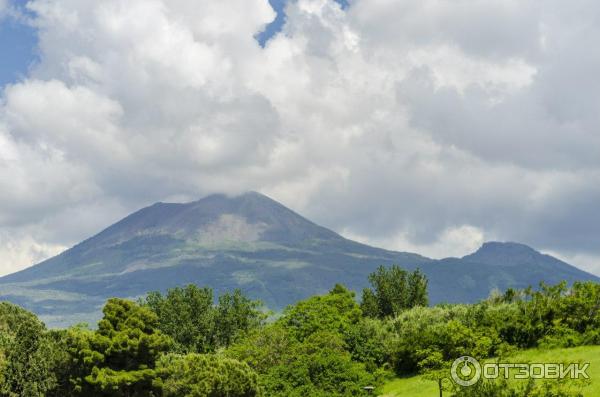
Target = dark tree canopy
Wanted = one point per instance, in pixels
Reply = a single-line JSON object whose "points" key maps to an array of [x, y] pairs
{"points": [[190, 317], [394, 290]]}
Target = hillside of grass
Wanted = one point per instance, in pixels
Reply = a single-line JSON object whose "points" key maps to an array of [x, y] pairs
{"points": [[420, 386]]}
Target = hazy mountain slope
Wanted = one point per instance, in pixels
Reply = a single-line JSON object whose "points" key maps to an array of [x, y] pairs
{"points": [[253, 243]]}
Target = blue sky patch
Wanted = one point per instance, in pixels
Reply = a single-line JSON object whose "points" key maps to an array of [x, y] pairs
{"points": [[275, 27], [18, 43]]}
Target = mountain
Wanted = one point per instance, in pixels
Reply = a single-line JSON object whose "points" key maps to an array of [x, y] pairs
{"points": [[256, 244]]}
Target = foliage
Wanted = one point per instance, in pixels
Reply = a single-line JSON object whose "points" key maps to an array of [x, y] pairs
{"points": [[552, 316], [266, 348], [367, 342], [425, 338], [335, 312], [182, 343], [425, 385], [306, 352], [26, 354], [502, 388], [196, 375], [319, 365], [236, 315], [394, 290], [188, 315], [117, 359]]}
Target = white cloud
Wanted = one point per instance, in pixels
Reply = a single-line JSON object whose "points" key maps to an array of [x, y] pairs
{"points": [[589, 263], [428, 126], [451, 242], [18, 252]]}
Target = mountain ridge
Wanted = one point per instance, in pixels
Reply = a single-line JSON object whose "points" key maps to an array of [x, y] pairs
{"points": [[256, 244]]}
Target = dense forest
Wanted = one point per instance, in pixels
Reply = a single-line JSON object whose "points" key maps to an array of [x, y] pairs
{"points": [[186, 342]]}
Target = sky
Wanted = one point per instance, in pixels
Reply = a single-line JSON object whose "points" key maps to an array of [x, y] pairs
{"points": [[427, 126], [17, 44]]}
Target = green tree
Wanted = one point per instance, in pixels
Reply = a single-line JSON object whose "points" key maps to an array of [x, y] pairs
{"points": [[369, 304], [197, 375], [335, 311], [26, 354], [266, 348], [188, 315], [426, 338], [311, 349], [394, 290], [236, 315], [417, 289], [118, 359], [367, 341], [321, 367]]}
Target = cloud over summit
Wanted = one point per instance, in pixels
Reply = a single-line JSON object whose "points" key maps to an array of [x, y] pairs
{"points": [[425, 125]]}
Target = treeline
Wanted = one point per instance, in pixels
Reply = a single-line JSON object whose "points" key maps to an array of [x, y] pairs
{"points": [[183, 344], [133, 352]]}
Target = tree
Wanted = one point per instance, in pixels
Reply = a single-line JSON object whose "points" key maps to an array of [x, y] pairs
{"points": [[335, 311], [417, 289], [321, 367], [188, 315], [26, 358], [440, 377], [369, 304], [394, 290], [310, 350], [119, 358], [235, 315], [266, 348], [197, 375], [367, 340]]}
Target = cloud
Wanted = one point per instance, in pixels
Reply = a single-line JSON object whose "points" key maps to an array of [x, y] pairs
{"points": [[19, 251], [452, 242], [11, 9], [427, 126]]}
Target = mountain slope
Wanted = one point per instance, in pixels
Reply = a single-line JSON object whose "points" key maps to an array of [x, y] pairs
{"points": [[253, 243]]}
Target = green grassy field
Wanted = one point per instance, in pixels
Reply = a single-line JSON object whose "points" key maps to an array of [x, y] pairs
{"points": [[418, 386]]}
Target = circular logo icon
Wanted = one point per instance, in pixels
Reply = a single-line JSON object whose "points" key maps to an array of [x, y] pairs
{"points": [[466, 371]]}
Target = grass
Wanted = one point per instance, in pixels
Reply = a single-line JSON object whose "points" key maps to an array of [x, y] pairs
{"points": [[418, 386]]}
